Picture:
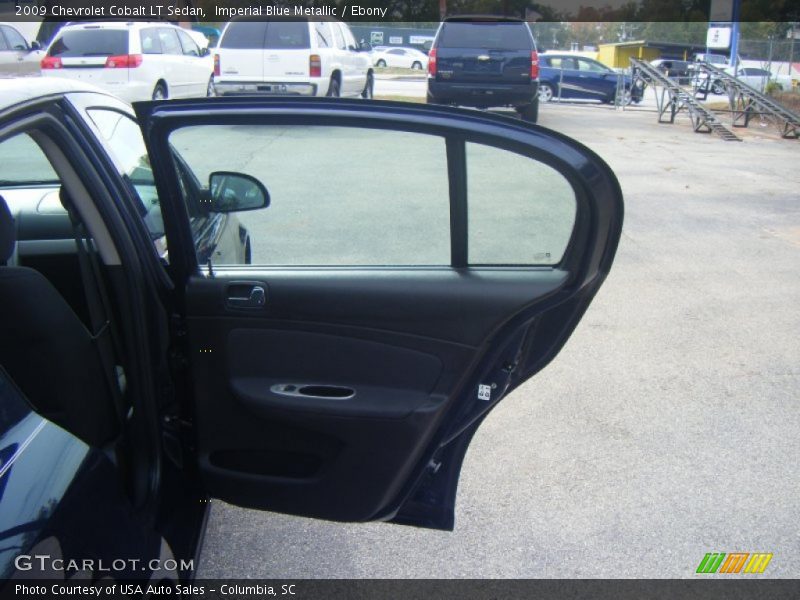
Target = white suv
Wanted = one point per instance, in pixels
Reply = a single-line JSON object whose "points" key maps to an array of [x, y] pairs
{"points": [[290, 57], [134, 61]]}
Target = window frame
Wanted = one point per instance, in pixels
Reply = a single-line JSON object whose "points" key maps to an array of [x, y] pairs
{"points": [[176, 218]]}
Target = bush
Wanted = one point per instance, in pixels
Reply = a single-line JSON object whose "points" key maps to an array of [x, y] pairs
{"points": [[773, 87]]}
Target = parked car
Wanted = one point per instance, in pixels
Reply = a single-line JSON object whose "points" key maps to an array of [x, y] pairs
{"points": [[332, 390], [291, 57], [132, 60], [485, 62], [754, 77], [676, 69], [577, 77], [17, 57], [403, 58]]}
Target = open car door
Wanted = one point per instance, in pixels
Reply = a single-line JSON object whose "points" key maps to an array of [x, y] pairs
{"points": [[409, 267]]}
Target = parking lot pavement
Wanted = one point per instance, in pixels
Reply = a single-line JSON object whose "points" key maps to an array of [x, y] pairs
{"points": [[668, 426]]}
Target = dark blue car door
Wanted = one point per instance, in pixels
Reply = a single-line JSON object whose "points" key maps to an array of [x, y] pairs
{"points": [[386, 311]]}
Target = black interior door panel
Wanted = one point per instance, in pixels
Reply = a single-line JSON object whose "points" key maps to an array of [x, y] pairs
{"points": [[351, 392], [341, 456]]}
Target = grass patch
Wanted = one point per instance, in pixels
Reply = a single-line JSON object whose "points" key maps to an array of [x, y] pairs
{"points": [[399, 71]]}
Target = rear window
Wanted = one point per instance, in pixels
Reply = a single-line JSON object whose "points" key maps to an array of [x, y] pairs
{"points": [[90, 42], [287, 34], [244, 35], [488, 35], [272, 35]]}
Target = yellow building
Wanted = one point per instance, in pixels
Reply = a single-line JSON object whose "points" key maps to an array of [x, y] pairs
{"points": [[618, 56]]}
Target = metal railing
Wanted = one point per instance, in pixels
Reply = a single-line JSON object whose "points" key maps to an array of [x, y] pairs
{"points": [[746, 102], [671, 99]]}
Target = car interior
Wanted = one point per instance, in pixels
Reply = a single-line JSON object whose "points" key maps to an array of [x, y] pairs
{"points": [[51, 344]]}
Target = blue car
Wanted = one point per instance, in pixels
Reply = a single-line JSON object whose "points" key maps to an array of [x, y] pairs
{"points": [[574, 77]]}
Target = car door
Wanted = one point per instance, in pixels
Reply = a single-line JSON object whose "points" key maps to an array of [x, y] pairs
{"points": [[387, 310], [599, 81], [172, 60], [573, 82], [16, 57], [197, 67], [9, 64]]}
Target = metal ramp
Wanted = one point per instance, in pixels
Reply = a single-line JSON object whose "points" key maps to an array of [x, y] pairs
{"points": [[746, 102], [671, 98]]}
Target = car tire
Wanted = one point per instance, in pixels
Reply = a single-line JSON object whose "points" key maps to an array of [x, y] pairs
{"points": [[717, 88], [160, 91], [210, 91], [545, 92], [381, 63], [334, 91], [530, 112], [369, 87], [417, 66]]}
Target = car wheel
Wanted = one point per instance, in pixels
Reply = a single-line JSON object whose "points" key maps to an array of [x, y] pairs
{"points": [[545, 92], [210, 91], [530, 112], [381, 63], [417, 66], [369, 87], [333, 88], [160, 92], [718, 88]]}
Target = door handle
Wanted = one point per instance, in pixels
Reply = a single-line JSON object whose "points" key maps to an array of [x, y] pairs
{"points": [[246, 296]]}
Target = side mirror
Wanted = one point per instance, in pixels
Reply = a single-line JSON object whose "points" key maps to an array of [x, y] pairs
{"points": [[235, 192], [35, 46], [204, 51]]}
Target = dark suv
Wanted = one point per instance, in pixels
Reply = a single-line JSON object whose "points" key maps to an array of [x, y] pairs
{"points": [[483, 62]]}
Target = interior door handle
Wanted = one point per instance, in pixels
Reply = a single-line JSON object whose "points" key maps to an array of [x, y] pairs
{"points": [[246, 296]]}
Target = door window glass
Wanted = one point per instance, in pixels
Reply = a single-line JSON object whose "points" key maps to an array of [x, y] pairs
{"points": [[524, 217], [15, 40], [337, 36], [169, 41], [339, 195], [151, 43], [187, 44]]}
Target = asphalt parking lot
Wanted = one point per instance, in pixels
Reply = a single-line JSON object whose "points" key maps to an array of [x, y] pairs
{"points": [[668, 427]]}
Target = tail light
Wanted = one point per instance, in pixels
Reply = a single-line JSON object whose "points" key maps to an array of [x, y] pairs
{"points": [[534, 65], [124, 61], [51, 62], [432, 62], [216, 65], [314, 65]]}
